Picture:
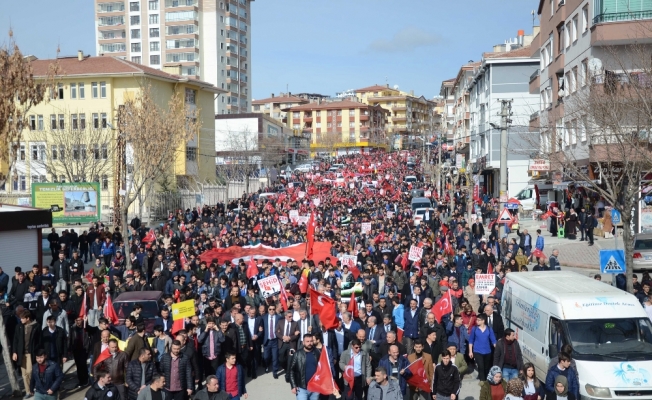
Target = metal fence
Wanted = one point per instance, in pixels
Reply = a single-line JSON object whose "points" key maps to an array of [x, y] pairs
{"points": [[158, 205]]}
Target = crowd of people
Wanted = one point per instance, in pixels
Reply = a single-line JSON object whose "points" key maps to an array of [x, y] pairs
{"points": [[58, 312]]}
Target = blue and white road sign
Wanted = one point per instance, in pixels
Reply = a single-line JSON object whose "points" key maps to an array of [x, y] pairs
{"points": [[612, 262], [615, 217]]}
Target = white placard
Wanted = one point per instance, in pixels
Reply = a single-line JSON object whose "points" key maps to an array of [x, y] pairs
{"points": [[427, 193], [290, 185], [351, 185], [316, 201], [302, 195], [485, 283], [390, 214], [415, 253], [283, 219], [366, 227], [348, 260], [269, 286]]}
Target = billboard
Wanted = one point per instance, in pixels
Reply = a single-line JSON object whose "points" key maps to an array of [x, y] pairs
{"points": [[71, 203]]}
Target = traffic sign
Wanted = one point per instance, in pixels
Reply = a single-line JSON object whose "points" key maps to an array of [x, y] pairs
{"points": [[616, 217], [612, 262], [505, 217]]}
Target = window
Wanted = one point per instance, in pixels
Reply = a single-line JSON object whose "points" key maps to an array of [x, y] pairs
{"points": [[103, 120], [21, 153], [135, 47], [74, 122], [113, 48], [34, 149], [339, 113], [60, 91], [103, 90], [81, 91], [23, 182], [190, 96], [155, 60], [73, 90], [180, 16], [552, 7], [62, 154], [135, 34], [153, 19], [134, 6], [550, 47], [42, 178], [96, 120], [574, 29], [585, 18], [153, 5], [83, 151], [134, 20], [75, 152], [62, 178], [55, 154], [351, 124], [105, 182], [105, 151], [584, 72], [136, 59], [573, 81], [563, 39], [583, 127], [96, 152], [94, 91], [191, 153], [154, 32], [155, 46], [351, 113], [82, 121], [40, 122], [62, 123], [32, 122]]}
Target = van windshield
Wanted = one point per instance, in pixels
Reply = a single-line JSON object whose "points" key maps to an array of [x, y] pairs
{"points": [[524, 194], [609, 339]]}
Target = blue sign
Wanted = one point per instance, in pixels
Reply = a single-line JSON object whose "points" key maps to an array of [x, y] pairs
{"points": [[511, 206], [612, 262], [615, 217]]}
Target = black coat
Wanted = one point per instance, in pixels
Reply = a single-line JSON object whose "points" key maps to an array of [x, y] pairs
{"points": [[60, 341], [297, 369], [185, 371], [189, 351], [19, 342], [135, 375]]}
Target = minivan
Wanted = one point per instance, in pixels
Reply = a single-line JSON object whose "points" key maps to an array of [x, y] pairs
{"points": [[420, 202]]}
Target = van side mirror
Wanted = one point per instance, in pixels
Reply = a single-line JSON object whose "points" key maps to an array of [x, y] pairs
{"points": [[552, 350]]}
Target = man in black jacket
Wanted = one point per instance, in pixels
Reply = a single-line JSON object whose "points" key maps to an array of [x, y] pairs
{"points": [[61, 271], [135, 370], [24, 351], [494, 321], [102, 389], [303, 367], [446, 381], [54, 341], [184, 384], [188, 349], [18, 290], [79, 346]]}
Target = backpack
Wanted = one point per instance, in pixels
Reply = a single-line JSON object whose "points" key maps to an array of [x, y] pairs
{"points": [[595, 222]]}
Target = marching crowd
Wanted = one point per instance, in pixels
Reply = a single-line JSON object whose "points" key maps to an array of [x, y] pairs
{"points": [[410, 328]]}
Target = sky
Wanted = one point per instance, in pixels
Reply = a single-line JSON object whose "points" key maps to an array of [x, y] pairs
{"points": [[324, 46]]}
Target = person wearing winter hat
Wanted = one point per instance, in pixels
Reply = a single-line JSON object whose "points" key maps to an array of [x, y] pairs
{"points": [[514, 389], [495, 387]]}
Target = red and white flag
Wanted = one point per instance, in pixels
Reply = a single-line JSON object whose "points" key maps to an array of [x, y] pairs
{"points": [[83, 312], [252, 268], [349, 375], [419, 378], [325, 307], [322, 381], [109, 311], [443, 306]]}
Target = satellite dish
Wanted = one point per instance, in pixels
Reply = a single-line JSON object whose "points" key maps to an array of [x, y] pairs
{"points": [[395, 87], [595, 66]]}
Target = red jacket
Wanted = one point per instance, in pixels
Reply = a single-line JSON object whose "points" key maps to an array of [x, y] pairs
{"points": [[101, 296]]}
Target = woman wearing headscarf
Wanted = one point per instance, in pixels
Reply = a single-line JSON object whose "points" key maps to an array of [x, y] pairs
{"points": [[471, 296], [495, 387], [561, 390], [514, 389]]}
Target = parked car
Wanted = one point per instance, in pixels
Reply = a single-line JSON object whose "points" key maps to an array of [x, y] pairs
{"points": [[642, 251], [410, 179], [303, 168], [150, 300]]}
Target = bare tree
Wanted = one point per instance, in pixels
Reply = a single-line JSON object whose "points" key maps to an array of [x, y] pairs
{"points": [[273, 153], [80, 152], [153, 135], [608, 122], [243, 157]]}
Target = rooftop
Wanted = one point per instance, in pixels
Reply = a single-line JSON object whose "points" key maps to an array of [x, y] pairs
{"points": [[280, 99], [375, 88], [517, 53], [344, 104]]}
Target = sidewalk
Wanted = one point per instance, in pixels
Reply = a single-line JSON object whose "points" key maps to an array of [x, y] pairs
{"points": [[67, 387], [572, 253]]}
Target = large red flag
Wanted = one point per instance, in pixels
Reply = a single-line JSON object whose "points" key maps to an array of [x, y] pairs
{"points": [[109, 311], [353, 306], [322, 381], [490, 268], [103, 356], [150, 237], [252, 268], [405, 262], [418, 378], [349, 375], [443, 306], [258, 227], [178, 325], [83, 312], [89, 275], [325, 307], [310, 236], [283, 298], [183, 259]]}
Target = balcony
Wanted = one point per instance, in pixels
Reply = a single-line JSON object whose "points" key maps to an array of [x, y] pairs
{"points": [[364, 117], [307, 118], [622, 16], [534, 82], [616, 30]]}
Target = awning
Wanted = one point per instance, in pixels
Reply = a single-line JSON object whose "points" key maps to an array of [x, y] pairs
{"points": [[564, 185]]}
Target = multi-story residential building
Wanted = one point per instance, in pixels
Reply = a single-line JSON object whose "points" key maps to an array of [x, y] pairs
{"points": [[71, 138], [203, 39], [448, 114], [410, 117], [501, 76], [274, 105], [340, 126], [461, 98]]}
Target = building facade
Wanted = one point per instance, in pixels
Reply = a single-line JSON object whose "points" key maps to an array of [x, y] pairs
{"points": [[410, 117], [274, 105], [209, 40], [71, 138], [342, 127]]}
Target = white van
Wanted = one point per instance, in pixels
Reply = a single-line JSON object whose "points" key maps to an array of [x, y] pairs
{"points": [[609, 331], [528, 196]]}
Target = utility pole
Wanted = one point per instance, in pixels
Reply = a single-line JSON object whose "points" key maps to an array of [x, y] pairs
{"points": [[505, 113]]}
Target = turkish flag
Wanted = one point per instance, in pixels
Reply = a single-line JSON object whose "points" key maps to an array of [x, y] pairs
{"points": [[418, 378], [183, 259], [103, 356], [82, 312], [260, 251], [405, 262], [322, 381], [325, 307], [490, 268], [448, 249], [150, 237], [223, 231], [310, 236], [303, 280], [537, 253], [348, 374], [258, 227], [252, 268], [89, 275], [109, 311], [380, 237], [353, 306], [355, 271], [178, 325], [399, 334], [443, 306], [283, 298]]}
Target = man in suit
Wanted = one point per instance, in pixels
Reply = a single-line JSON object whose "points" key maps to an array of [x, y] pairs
{"points": [[369, 310], [306, 324], [406, 291], [255, 330], [375, 334], [494, 321], [388, 325], [411, 325], [287, 334], [350, 328], [270, 343], [416, 295], [54, 341], [362, 371], [165, 321], [244, 345]]}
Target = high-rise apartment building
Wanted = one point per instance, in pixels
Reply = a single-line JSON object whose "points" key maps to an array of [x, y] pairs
{"points": [[207, 40]]}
